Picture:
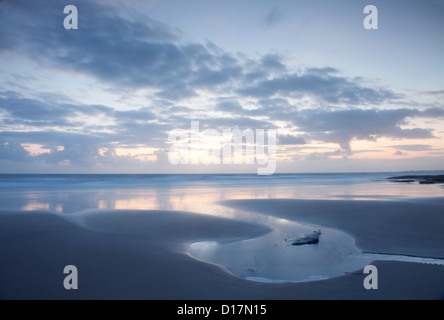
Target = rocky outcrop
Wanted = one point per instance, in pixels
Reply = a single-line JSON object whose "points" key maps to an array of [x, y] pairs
{"points": [[422, 179]]}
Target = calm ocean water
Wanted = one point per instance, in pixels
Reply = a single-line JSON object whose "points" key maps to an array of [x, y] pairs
{"points": [[74, 193]]}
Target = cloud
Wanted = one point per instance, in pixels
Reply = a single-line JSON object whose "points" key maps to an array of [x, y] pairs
{"points": [[135, 51], [400, 153], [130, 116], [339, 126], [413, 147], [433, 113], [342, 126], [321, 84], [12, 151], [73, 132], [118, 50], [40, 114], [325, 155], [232, 106], [220, 123], [433, 93], [273, 16], [273, 62], [80, 151], [291, 139], [24, 110]]}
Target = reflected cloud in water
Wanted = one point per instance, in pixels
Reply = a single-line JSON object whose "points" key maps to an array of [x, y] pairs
{"points": [[196, 194]]}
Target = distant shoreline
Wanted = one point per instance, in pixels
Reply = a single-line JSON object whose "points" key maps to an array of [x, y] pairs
{"points": [[58, 174], [422, 179]]}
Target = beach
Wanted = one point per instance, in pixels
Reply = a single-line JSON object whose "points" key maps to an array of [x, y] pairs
{"points": [[144, 254], [221, 150]]}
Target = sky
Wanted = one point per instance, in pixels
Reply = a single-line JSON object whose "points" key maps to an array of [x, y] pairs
{"points": [[105, 97]]}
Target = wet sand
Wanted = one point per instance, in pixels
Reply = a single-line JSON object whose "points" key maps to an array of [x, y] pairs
{"points": [[143, 254]]}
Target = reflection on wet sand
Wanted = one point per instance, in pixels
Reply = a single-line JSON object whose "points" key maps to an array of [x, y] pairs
{"points": [[35, 206], [197, 198]]}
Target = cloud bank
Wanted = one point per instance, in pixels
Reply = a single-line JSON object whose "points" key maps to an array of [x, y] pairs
{"points": [[186, 81]]}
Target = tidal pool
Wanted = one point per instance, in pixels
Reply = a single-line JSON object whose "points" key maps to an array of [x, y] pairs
{"points": [[270, 258]]}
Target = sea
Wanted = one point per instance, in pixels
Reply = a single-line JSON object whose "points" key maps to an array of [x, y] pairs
{"points": [[71, 193]]}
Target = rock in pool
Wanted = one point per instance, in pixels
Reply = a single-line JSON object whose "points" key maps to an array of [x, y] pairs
{"points": [[312, 238]]}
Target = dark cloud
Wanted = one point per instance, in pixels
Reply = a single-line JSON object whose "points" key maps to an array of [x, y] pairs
{"points": [[11, 150], [413, 147], [326, 71], [230, 106], [273, 62], [210, 77], [342, 126], [319, 84], [131, 116], [325, 155], [81, 150], [275, 108], [273, 16], [234, 123], [177, 92], [433, 93], [55, 126], [32, 110], [136, 51], [19, 111], [433, 112], [291, 139], [179, 109]]}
